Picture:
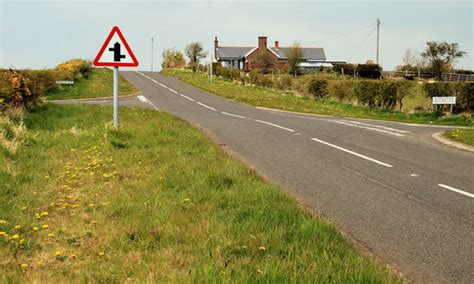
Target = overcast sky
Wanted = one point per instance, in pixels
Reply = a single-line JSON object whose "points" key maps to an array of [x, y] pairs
{"points": [[39, 34]]}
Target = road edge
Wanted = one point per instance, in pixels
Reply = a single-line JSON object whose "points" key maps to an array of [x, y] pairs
{"points": [[438, 136]]}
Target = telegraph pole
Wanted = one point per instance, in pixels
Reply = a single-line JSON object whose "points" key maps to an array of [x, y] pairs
{"points": [[151, 54], [378, 40]]}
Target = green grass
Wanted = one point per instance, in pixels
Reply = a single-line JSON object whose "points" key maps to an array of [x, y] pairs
{"points": [[264, 97], [465, 136], [163, 204], [99, 84]]}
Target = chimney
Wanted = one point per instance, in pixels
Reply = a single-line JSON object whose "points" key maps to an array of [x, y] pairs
{"points": [[262, 42], [216, 43], [277, 45]]}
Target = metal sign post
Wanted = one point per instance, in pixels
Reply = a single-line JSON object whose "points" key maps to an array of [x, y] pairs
{"points": [[111, 55], [116, 94]]}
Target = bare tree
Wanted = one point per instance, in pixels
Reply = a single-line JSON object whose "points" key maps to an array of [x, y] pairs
{"points": [[295, 56], [409, 58], [265, 61], [195, 52]]}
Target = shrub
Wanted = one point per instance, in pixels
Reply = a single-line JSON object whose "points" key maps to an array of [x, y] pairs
{"points": [[75, 69], [348, 69], [284, 82], [372, 71], [341, 89], [366, 92], [317, 87]]}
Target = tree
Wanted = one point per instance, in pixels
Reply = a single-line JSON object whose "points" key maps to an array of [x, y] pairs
{"points": [[265, 61], [294, 55], [441, 55], [172, 59], [195, 52]]}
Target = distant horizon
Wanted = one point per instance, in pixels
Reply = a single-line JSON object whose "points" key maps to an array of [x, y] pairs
{"points": [[49, 33]]}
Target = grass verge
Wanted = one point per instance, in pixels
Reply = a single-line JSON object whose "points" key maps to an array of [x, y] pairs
{"points": [[154, 201], [465, 136], [264, 97], [99, 84]]}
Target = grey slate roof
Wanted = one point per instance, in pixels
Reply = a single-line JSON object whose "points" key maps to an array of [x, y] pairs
{"points": [[310, 53], [231, 52], [237, 52]]}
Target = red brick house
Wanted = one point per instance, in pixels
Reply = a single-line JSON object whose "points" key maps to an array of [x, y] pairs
{"points": [[245, 57]]}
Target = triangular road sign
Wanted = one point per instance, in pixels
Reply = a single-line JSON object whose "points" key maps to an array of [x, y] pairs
{"points": [[115, 51]]}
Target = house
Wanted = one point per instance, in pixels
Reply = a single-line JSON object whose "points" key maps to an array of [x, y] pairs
{"points": [[245, 57]]}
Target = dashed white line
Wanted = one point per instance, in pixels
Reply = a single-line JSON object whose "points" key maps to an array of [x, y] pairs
{"points": [[186, 97], [353, 153], [273, 124], [231, 114], [206, 106], [456, 190]]}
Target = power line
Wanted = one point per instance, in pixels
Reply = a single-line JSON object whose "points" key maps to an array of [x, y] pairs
{"points": [[364, 41], [347, 34]]}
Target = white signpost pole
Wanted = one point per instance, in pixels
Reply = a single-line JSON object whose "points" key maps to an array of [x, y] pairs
{"points": [[116, 93]]}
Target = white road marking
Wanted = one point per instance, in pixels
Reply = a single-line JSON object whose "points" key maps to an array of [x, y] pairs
{"points": [[353, 153], [145, 100], [378, 126], [186, 97], [275, 125], [231, 114], [369, 128], [456, 190], [206, 106], [414, 175]]}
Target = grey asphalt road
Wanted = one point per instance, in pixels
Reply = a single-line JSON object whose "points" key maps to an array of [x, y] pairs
{"points": [[394, 190]]}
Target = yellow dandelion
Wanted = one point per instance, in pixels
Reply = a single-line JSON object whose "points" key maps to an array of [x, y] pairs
{"points": [[45, 213], [262, 248], [37, 216], [23, 208], [94, 222], [44, 227], [24, 265], [91, 205], [105, 175], [22, 241], [17, 227], [15, 237], [3, 222], [35, 228], [101, 253], [46, 177], [51, 235], [2, 234]]}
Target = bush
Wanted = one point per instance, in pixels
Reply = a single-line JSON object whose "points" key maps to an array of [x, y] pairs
{"points": [[317, 87], [341, 89], [284, 82], [348, 69], [463, 91], [372, 71], [75, 69]]}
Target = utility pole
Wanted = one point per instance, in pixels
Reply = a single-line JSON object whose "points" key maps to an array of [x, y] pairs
{"points": [[151, 54], [378, 40], [212, 59]]}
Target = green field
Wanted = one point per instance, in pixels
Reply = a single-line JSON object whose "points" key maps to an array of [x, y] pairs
{"points": [[465, 136], [265, 97], [156, 201], [99, 84]]}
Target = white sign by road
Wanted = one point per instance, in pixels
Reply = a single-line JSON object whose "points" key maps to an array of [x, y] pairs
{"points": [[444, 100]]}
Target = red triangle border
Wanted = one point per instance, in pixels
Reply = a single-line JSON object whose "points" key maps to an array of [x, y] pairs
{"points": [[134, 62]]}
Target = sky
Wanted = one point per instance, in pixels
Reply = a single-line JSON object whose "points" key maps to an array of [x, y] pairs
{"points": [[42, 34]]}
